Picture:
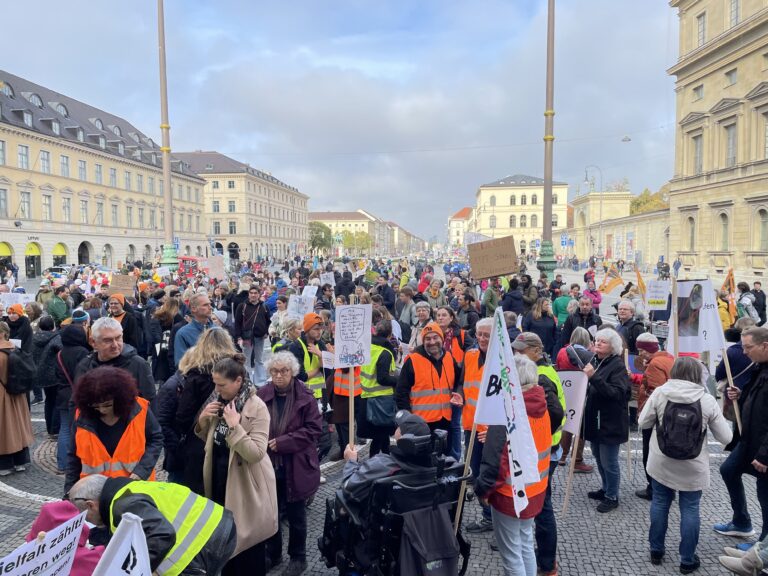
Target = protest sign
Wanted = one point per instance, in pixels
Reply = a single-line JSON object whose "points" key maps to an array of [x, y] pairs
{"points": [[327, 360], [51, 555], [658, 294], [328, 278], [353, 335], [216, 266], [124, 284], [697, 319], [575, 390], [126, 553], [493, 257], [309, 291], [163, 271], [300, 305]]}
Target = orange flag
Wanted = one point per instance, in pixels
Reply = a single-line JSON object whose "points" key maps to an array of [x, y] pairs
{"points": [[612, 280], [641, 285], [729, 285]]}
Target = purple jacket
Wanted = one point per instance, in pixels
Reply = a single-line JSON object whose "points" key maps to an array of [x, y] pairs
{"points": [[298, 445]]}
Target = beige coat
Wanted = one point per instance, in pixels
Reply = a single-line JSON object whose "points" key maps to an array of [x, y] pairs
{"points": [[15, 424], [251, 494]]}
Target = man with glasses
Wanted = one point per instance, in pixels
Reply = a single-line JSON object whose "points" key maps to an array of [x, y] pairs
{"points": [[187, 336]]}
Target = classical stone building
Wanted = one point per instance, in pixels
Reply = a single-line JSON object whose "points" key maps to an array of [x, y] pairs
{"points": [[81, 185], [457, 227]]}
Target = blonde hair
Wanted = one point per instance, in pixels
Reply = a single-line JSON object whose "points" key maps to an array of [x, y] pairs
{"points": [[213, 345]]}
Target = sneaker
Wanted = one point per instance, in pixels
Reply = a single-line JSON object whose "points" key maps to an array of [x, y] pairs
{"points": [[552, 572], [482, 525], [6, 472], [644, 493], [690, 568], [734, 552], [744, 546], [607, 505], [582, 468], [596, 494], [657, 558], [323, 479], [295, 567], [562, 463], [730, 529], [20, 468], [36, 401]]}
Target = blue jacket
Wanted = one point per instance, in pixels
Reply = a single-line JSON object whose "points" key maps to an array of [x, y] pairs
{"points": [[739, 362], [187, 337]]}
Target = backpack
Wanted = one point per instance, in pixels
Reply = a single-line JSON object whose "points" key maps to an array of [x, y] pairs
{"points": [[681, 434], [22, 371]]}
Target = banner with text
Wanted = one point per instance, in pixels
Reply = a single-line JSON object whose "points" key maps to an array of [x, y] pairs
{"points": [[658, 294], [575, 390], [126, 553]]}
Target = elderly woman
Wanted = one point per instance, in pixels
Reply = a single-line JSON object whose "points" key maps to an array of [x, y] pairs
{"points": [[114, 432], [688, 477], [294, 429], [606, 414], [237, 473], [435, 297], [423, 313], [15, 426], [290, 331]]}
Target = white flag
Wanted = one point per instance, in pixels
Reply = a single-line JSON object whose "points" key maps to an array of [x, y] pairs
{"points": [[500, 401], [127, 551]]}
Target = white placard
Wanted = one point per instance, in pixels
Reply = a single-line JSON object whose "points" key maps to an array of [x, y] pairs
{"points": [[49, 556], [698, 322], [309, 291], [353, 335], [163, 271], [327, 359], [328, 278], [127, 551], [216, 267], [298, 306], [575, 390], [657, 294], [16, 342]]}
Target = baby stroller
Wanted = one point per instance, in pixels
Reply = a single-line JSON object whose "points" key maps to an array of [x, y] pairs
{"points": [[366, 538]]}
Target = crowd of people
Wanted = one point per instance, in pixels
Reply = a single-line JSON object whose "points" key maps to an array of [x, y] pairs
{"points": [[222, 387]]}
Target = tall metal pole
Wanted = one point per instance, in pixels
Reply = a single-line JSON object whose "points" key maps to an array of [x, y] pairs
{"points": [[547, 262], [600, 228], [170, 258]]}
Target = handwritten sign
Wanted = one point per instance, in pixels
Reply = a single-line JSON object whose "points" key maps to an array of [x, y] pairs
{"points": [[657, 294], [124, 284], [493, 257], [575, 390], [298, 306], [328, 278], [216, 266], [49, 556], [327, 359], [353, 335], [309, 291]]}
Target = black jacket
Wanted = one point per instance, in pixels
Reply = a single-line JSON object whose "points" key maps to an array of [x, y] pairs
{"points": [[346, 286], [513, 301], [131, 332], [408, 377], [576, 320], [630, 331], [252, 317], [606, 415], [74, 349], [545, 328], [45, 347], [22, 330], [754, 420], [128, 361], [197, 388], [388, 295], [167, 406]]}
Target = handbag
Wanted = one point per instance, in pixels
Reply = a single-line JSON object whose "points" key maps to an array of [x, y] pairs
{"points": [[727, 404], [380, 411]]}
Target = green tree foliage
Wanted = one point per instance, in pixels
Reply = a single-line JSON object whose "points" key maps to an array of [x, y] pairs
{"points": [[320, 236], [647, 202]]}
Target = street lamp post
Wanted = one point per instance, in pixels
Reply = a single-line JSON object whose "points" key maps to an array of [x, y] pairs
{"points": [[170, 257], [588, 183]]}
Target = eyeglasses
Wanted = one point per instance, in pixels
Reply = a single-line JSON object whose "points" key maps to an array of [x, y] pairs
{"points": [[279, 371]]}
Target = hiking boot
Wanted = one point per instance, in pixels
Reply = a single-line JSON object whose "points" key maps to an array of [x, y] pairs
{"points": [[482, 525], [295, 567], [730, 529], [644, 493], [657, 558], [582, 468], [690, 568], [596, 494], [607, 505]]}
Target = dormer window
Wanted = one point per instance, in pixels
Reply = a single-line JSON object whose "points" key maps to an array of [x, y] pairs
{"points": [[116, 130], [27, 117], [61, 109], [120, 148], [80, 135], [99, 124], [102, 142], [153, 158], [6, 89], [135, 137], [56, 127], [36, 100]]}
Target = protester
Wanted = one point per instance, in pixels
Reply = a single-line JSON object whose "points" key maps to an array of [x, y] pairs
{"points": [[308, 351], [378, 379], [117, 310], [541, 322], [585, 317], [423, 313], [46, 344], [251, 327], [512, 301], [746, 302], [629, 327], [20, 326], [160, 325], [435, 297], [187, 336], [15, 425], [560, 305]]}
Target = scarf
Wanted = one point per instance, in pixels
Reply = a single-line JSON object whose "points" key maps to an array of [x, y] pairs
{"points": [[247, 389], [278, 422], [447, 339], [434, 292]]}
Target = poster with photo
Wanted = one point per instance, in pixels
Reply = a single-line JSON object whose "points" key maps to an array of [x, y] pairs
{"points": [[698, 323]]}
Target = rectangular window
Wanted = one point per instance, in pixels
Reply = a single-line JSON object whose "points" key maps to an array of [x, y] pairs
{"points": [[698, 154], [139, 183], [189, 193], [127, 180], [129, 216], [115, 215], [734, 12], [231, 184], [28, 118], [152, 221], [765, 136], [197, 195], [25, 206], [215, 184], [64, 166], [84, 211], [151, 185], [730, 145], [731, 76], [162, 220], [23, 159], [232, 227], [47, 207], [698, 92], [197, 223], [216, 227], [100, 213], [45, 162], [181, 221], [179, 191], [3, 203], [98, 174], [113, 177], [82, 170], [141, 218], [66, 209], [2, 152], [231, 206], [189, 221], [701, 29], [215, 205]]}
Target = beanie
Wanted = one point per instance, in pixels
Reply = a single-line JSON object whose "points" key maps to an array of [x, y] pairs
{"points": [[432, 327], [311, 320]]}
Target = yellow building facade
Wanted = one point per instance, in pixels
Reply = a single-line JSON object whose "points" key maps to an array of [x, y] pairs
{"points": [[80, 185], [380, 232]]}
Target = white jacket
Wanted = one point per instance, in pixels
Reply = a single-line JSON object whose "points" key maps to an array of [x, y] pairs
{"points": [[685, 475]]}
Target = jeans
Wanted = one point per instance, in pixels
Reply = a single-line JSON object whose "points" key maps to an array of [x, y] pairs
{"points": [[515, 540], [732, 470], [474, 465], [454, 434], [65, 438], [296, 512], [52, 422], [607, 458], [689, 520], [254, 354], [546, 528]]}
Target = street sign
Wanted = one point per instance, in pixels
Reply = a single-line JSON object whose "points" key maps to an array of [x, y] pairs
{"points": [[176, 243]]}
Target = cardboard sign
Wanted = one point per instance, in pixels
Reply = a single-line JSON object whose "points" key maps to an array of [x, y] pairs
{"points": [[493, 258], [124, 284], [216, 267], [126, 553], [575, 390], [49, 556], [658, 294], [328, 278], [353, 335]]}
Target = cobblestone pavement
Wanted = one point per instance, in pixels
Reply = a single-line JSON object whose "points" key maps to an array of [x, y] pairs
{"points": [[590, 544]]}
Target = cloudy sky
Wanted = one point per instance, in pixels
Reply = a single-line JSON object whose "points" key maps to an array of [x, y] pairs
{"points": [[400, 107]]}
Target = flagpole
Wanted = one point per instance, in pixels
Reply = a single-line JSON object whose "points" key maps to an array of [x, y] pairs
{"points": [[463, 489], [675, 319]]}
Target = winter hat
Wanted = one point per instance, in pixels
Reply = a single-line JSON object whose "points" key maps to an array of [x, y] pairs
{"points": [[79, 316], [119, 297], [221, 315], [432, 327], [527, 340], [16, 309], [311, 320], [649, 346], [411, 424]]}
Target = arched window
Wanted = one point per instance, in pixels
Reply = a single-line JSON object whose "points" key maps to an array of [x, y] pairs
{"points": [[523, 200], [493, 221], [554, 220], [61, 109], [36, 100], [723, 220], [6, 89], [512, 200], [523, 221], [513, 221], [493, 200], [522, 244], [762, 230], [554, 199], [534, 221], [691, 233], [99, 124], [116, 130], [534, 199]]}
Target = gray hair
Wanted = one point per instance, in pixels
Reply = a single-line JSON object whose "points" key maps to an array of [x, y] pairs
{"points": [[573, 305], [423, 304], [195, 298], [526, 370], [647, 337], [484, 323], [88, 488], [744, 323], [688, 369], [581, 336], [289, 324], [105, 323], [758, 334], [613, 338], [283, 358], [627, 303]]}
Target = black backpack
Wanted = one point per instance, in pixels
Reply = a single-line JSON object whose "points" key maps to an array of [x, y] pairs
{"points": [[681, 434], [22, 371]]}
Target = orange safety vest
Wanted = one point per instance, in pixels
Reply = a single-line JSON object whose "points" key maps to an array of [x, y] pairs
{"points": [[473, 374], [456, 347], [95, 459], [430, 394], [341, 382], [542, 437]]}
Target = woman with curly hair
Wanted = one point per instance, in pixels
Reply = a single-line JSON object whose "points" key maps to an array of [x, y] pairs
{"points": [[115, 433]]}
